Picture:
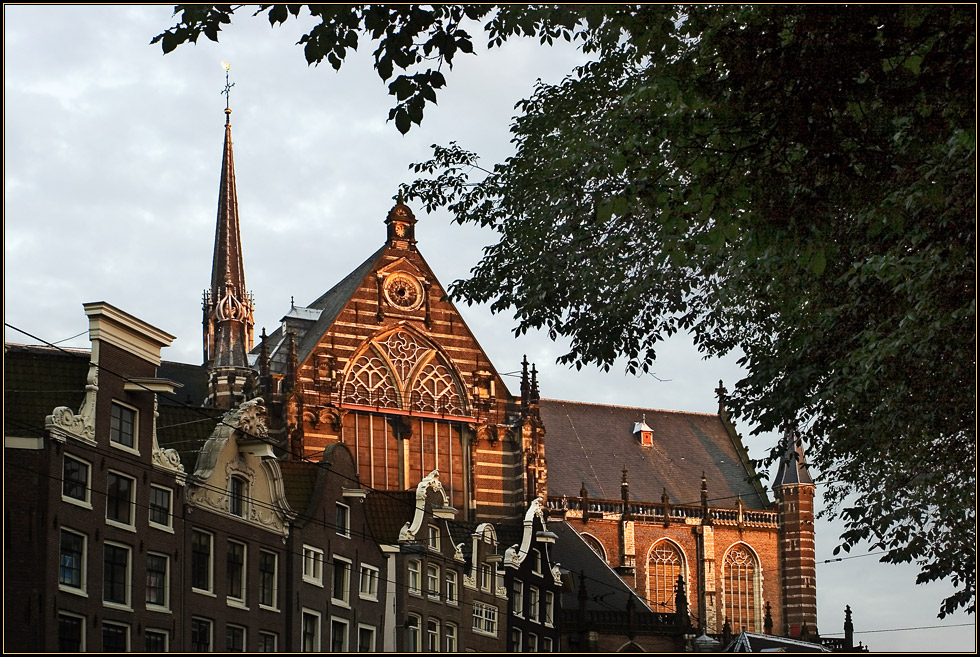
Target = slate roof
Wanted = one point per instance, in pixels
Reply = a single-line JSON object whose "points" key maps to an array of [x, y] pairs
{"points": [[299, 481], [36, 380], [387, 512], [604, 588], [330, 303], [591, 443]]}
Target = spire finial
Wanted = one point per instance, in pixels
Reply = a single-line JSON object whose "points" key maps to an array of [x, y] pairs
{"points": [[227, 91]]}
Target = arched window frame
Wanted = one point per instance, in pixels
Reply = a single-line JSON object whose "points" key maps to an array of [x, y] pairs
{"points": [[669, 584], [736, 619]]}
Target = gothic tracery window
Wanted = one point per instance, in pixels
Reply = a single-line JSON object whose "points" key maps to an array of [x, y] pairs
{"points": [[399, 370], [741, 580], [664, 567]]}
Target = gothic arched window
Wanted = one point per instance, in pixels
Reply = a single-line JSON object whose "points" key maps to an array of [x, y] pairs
{"points": [[596, 546], [741, 582], [665, 565]]}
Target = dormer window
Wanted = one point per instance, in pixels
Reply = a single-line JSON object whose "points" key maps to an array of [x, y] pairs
{"points": [[643, 432]]}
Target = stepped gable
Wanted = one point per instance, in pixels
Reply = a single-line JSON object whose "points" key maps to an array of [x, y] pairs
{"points": [[591, 443]]}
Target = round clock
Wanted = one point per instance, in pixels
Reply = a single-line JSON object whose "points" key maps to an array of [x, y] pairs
{"points": [[403, 291]]}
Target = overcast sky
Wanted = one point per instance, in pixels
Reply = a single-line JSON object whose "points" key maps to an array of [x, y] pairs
{"points": [[111, 167]]}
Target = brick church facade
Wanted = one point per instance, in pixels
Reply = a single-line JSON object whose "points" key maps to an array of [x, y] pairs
{"points": [[379, 379]]}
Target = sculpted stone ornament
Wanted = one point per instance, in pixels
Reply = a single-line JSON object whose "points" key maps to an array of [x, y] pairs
{"points": [[430, 482], [63, 422]]}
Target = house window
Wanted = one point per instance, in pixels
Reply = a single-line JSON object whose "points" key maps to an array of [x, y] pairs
{"points": [[236, 497], [517, 602], [71, 567], [451, 634], [452, 587], [532, 642], [201, 561], [432, 633], [200, 635], [740, 580], [339, 631], [341, 580], [366, 638], [115, 637], [268, 579], [486, 577], [596, 546], [433, 539], [537, 562], [156, 640], [665, 566], [71, 633], [234, 638], [161, 501], [532, 604], [157, 580], [268, 642], [116, 574], [369, 582], [343, 520], [75, 481], [235, 573], [311, 631], [547, 645], [415, 577], [549, 608], [412, 634], [312, 565], [122, 429], [432, 580], [484, 619], [120, 499], [516, 640]]}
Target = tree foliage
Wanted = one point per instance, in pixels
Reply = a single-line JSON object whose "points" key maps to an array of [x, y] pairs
{"points": [[796, 182]]}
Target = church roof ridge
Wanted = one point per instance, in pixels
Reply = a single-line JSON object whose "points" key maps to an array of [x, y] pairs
{"points": [[645, 409]]}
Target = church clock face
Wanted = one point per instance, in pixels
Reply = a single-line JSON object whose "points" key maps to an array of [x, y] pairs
{"points": [[403, 291]]}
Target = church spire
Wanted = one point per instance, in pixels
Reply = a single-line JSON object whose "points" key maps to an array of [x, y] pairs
{"points": [[228, 307]]}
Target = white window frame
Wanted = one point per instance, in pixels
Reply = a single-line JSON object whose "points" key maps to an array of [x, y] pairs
{"points": [[166, 583], [343, 524], [263, 634], [516, 640], [210, 563], [484, 619], [534, 604], [433, 635], [336, 622], [82, 626], [361, 627], [433, 580], [134, 449], [239, 497], [368, 586], [156, 630], [318, 633], [237, 598], [275, 580], [517, 602], [127, 585], [413, 633], [347, 567], [244, 630], [210, 627], [452, 587], [169, 526], [547, 644], [486, 577], [82, 589], [434, 538], [131, 525], [86, 501], [451, 632], [415, 576], [549, 608], [127, 632], [313, 565], [532, 642]]}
